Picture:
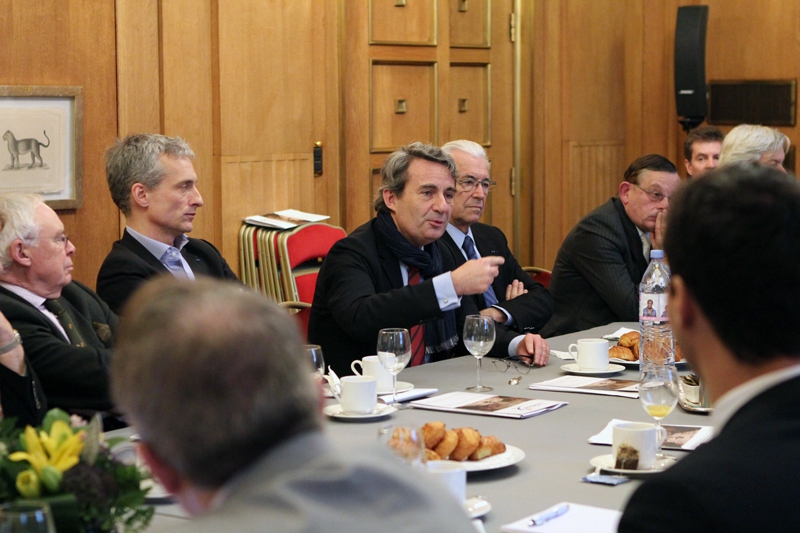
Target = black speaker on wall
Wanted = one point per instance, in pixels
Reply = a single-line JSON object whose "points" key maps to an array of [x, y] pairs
{"points": [[691, 99]]}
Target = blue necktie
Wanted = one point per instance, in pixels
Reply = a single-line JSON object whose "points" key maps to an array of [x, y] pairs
{"points": [[172, 260], [469, 247]]}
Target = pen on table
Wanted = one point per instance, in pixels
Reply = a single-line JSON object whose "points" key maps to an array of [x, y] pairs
{"points": [[548, 514]]}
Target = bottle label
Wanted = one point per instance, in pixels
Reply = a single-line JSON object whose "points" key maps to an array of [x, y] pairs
{"points": [[653, 307]]}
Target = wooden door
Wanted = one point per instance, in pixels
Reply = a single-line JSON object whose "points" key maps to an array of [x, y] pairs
{"points": [[431, 71]]}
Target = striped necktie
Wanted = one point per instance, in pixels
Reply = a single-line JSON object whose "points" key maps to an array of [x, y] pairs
{"points": [[65, 319], [417, 333], [469, 247]]}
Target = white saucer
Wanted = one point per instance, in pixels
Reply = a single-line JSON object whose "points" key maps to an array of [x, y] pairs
{"points": [[476, 507], [606, 464], [402, 386], [335, 411], [573, 368], [157, 491]]}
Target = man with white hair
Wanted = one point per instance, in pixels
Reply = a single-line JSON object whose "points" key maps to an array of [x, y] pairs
{"points": [[514, 300], [756, 145], [66, 329]]}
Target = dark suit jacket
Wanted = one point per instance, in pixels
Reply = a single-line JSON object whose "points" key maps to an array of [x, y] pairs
{"points": [[72, 377], [597, 272], [129, 264], [530, 311], [745, 479], [22, 397], [360, 291]]}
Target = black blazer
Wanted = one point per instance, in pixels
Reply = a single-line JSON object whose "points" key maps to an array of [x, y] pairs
{"points": [[72, 377], [22, 396], [360, 291], [129, 264], [743, 480], [530, 311], [597, 272]]}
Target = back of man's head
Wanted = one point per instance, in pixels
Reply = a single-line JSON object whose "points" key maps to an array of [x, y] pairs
{"points": [[746, 143], [734, 238], [701, 134], [651, 162], [134, 159], [394, 172], [212, 376]]}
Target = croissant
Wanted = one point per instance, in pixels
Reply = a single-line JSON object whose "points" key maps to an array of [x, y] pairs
{"points": [[461, 444]]}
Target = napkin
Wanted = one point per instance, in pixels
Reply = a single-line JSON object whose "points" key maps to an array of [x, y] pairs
{"points": [[579, 519], [617, 334], [412, 394], [561, 355]]}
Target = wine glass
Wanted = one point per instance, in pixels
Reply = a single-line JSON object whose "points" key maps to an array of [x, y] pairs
{"points": [[29, 516], [394, 353], [405, 441], [658, 390], [479, 339], [314, 354]]}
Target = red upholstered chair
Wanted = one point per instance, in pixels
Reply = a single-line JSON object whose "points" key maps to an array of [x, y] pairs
{"points": [[539, 274], [301, 312], [301, 253]]}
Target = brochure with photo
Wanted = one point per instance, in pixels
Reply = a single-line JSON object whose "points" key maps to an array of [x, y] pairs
{"points": [[488, 404], [678, 437], [286, 219], [627, 388]]}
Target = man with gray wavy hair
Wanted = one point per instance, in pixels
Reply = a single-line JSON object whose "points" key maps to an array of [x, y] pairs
{"points": [[153, 182], [749, 144], [215, 381]]}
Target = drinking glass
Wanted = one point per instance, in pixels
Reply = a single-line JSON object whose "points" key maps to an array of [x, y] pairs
{"points": [[405, 441], [479, 339], [29, 516], [314, 354], [394, 353], [658, 390]]}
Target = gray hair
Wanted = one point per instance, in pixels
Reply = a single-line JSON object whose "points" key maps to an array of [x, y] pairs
{"points": [[746, 143], [17, 221], [212, 375], [394, 173], [134, 159], [468, 147]]}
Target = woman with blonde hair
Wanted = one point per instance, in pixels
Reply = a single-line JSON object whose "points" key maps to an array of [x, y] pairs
{"points": [[757, 145]]}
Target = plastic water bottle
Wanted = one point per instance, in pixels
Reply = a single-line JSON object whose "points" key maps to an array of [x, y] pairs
{"points": [[656, 344]]}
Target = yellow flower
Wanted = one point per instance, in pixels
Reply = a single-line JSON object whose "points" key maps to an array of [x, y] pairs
{"points": [[28, 484], [61, 449]]}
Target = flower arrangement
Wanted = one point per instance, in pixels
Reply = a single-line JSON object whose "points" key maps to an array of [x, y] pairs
{"points": [[72, 468]]}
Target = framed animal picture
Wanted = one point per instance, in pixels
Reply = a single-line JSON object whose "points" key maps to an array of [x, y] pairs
{"points": [[42, 128]]}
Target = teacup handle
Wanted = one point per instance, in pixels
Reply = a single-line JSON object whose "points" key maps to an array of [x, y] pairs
{"points": [[353, 367], [662, 436], [574, 355], [336, 388]]}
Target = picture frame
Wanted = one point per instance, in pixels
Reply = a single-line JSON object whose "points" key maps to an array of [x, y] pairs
{"points": [[33, 160]]}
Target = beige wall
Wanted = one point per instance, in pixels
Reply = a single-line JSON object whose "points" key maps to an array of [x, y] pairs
{"points": [[253, 83]]}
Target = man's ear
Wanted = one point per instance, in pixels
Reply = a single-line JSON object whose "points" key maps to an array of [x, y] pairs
{"points": [[390, 199], [688, 166], [20, 252], [167, 475], [624, 191], [139, 195]]}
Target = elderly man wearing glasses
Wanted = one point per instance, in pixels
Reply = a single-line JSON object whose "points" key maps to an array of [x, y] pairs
{"points": [[601, 262], [514, 300], [67, 331]]}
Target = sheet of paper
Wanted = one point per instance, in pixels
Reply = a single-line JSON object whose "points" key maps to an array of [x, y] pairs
{"points": [[412, 394], [488, 404], [678, 437], [608, 387], [579, 519]]}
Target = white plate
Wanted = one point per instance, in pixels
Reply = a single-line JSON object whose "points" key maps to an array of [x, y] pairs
{"points": [[335, 411], [476, 507], [606, 463], [573, 368], [635, 364], [511, 456], [157, 490], [402, 386]]}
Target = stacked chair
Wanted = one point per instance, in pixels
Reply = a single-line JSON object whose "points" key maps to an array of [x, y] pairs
{"points": [[539, 274]]}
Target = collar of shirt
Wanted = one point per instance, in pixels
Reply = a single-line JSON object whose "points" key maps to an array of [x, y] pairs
{"points": [[459, 237], [736, 398], [158, 249], [36, 301]]}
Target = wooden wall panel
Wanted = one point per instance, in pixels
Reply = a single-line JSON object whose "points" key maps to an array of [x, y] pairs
{"points": [[470, 103], [416, 86], [593, 176], [413, 23], [472, 26], [72, 42]]}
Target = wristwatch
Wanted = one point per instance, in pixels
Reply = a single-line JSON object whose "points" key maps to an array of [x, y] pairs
{"points": [[11, 345]]}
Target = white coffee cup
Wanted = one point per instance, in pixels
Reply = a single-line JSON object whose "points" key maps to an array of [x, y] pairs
{"points": [[452, 475], [590, 354], [371, 366], [356, 394], [644, 437]]}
